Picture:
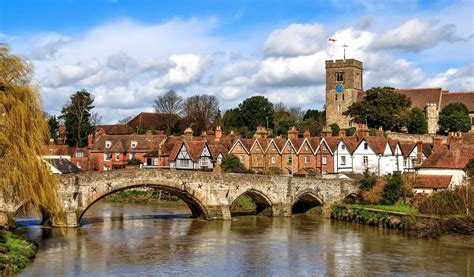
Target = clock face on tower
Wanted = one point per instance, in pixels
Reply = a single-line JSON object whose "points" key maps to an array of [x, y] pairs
{"points": [[339, 88]]}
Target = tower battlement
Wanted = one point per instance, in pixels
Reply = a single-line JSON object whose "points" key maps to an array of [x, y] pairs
{"points": [[344, 63]]}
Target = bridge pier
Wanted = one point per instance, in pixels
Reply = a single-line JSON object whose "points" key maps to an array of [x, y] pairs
{"points": [[69, 219], [220, 212], [281, 209], [7, 220]]}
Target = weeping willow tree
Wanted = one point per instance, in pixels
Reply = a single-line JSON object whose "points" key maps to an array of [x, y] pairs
{"points": [[23, 131]]}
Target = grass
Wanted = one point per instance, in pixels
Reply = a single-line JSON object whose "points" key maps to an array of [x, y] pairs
{"points": [[244, 202], [144, 197], [403, 208], [15, 253]]}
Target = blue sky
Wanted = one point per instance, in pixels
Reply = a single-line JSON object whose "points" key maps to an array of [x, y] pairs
{"points": [[128, 52]]}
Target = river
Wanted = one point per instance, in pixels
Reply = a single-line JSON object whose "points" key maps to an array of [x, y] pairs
{"points": [[130, 240]]}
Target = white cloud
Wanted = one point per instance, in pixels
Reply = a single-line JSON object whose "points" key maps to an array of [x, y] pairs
{"points": [[454, 79], [416, 35], [295, 40], [125, 64]]}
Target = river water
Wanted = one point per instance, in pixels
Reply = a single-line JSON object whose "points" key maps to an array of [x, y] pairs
{"points": [[131, 240]]}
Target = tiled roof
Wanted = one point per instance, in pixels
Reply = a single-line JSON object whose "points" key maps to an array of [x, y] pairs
{"points": [[123, 143], [314, 142], [63, 165], [351, 143], [297, 142], [421, 96], [377, 144], [467, 98], [151, 121], [57, 150], [194, 149], [216, 149], [406, 147], [263, 143], [332, 142], [116, 129], [452, 156], [246, 143], [280, 143], [432, 181]]}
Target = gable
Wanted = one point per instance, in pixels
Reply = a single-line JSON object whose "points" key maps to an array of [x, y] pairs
{"points": [[183, 153], [388, 150], [205, 152], [361, 148]]}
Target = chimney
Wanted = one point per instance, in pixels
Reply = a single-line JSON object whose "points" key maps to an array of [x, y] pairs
{"points": [[362, 132], [379, 132], [204, 136], [261, 132], [90, 141], [210, 131], [326, 132], [292, 133], [188, 134], [342, 133], [306, 133], [419, 152], [437, 143], [218, 133]]}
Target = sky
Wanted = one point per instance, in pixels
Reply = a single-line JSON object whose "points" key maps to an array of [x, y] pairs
{"points": [[126, 53]]}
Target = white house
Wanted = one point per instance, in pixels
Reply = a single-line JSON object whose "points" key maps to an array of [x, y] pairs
{"points": [[343, 161], [376, 155], [445, 168], [191, 155], [410, 151]]}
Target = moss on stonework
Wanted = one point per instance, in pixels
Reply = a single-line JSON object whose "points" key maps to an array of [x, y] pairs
{"points": [[15, 253]]}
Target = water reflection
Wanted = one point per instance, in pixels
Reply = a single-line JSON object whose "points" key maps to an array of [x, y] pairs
{"points": [[134, 240]]}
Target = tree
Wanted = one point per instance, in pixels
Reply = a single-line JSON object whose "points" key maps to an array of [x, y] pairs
{"points": [[297, 113], [455, 117], [230, 120], [335, 129], [171, 105], [316, 115], [255, 111], [78, 118], [231, 164], [23, 130], [393, 190], [315, 127], [201, 110], [218, 119], [381, 107], [416, 122], [53, 125], [125, 120]]}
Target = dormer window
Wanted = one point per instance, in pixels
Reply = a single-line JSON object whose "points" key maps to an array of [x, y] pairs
{"points": [[108, 144], [134, 144], [343, 147]]}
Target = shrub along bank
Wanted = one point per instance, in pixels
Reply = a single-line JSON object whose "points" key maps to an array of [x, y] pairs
{"points": [[15, 253]]}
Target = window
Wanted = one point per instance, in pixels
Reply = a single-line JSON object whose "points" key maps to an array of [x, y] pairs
{"points": [[132, 156], [336, 97], [242, 159], [366, 146], [108, 144], [106, 168], [325, 160], [239, 147], [323, 146], [273, 147], [184, 163], [257, 159], [204, 162], [117, 156], [290, 160], [366, 160], [79, 154], [290, 149], [405, 162], [107, 156], [343, 147], [306, 147], [339, 108], [343, 160], [219, 159], [273, 160], [342, 97], [339, 77], [306, 159], [133, 144], [413, 162], [155, 161]]}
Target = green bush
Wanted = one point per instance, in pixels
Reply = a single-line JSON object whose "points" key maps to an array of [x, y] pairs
{"points": [[299, 175], [134, 161], [447, 202], [231, 164], [335, 129], [393, 190], [350, 131], [368, 180]]}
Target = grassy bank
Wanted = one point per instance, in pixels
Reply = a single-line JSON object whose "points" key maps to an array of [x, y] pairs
{"points": [[145, 197], [15, 253]]}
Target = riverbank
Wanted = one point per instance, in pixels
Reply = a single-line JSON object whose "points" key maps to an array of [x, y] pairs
{"points": [[15, 253], [405, 218], [145, 197]]}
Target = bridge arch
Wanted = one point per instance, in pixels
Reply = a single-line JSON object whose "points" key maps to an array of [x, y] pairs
{"points": [[191, 199], [261, 200], [306, 200]]}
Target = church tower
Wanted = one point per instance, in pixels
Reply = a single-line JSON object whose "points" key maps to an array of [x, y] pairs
{"points": [[344, 87]]}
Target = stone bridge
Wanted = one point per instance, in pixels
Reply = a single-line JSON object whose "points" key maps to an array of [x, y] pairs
{"points": [[209, 195]]}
